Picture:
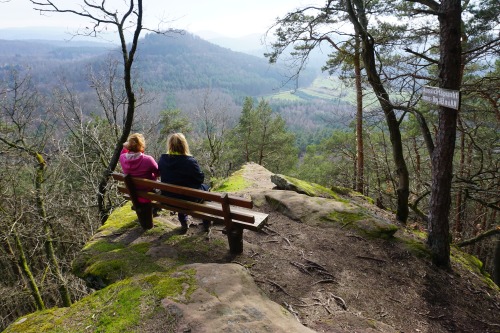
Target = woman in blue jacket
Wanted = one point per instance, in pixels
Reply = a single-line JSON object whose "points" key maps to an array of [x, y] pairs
{"points": [[178, 167]]}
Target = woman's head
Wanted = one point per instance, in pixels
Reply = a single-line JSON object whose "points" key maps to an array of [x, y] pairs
{"points": [[177, 144], [136, 143]]}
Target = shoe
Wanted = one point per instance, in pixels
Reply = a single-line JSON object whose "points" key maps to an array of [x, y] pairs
{"points": [[156, 211], [206, 226], [183, 230]]}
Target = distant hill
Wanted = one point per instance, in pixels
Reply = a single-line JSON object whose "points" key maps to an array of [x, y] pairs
{"points": [[172, 68], [187, 61], [174, 62]]}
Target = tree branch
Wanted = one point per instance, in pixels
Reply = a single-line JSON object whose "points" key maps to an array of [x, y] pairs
{"points": [[480, 237]]}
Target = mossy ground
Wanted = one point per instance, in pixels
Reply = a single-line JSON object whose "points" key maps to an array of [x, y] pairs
{"points": [[121, 307], [236, 182]]}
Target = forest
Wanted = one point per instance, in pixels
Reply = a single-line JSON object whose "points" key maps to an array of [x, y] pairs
{"points": [[360, 124]]}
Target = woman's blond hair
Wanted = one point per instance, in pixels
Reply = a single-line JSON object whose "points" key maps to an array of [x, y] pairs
{"points": [[136, 143], [177, 144]]}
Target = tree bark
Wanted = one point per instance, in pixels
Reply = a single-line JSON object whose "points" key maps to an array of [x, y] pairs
{"points": [[35, 292], [442, 158], [358, 18], [128, 60], [496, 263], [49, 247], [359, 120]]}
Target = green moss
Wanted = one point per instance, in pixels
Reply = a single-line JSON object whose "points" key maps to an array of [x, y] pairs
{"points": [[123, 313], [472, 264], [313, 189], [102, 245], [349, 192], [345, 218], [419, 234], [141, 247], [416, 247], [122, 307], [363, 223], [102, 262], [194, 246], [122, 218], [173, 286], [117, 264], [219, 243], [236, 182], [41, 321]]}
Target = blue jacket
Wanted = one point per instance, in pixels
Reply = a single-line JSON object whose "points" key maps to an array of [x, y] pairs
{"points": [[180, 170]]}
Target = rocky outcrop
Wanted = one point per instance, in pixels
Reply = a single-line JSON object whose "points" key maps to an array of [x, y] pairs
{"points": [[326, 262]]}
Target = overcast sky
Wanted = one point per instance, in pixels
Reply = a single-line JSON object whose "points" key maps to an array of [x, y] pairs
{"points": [[232, 18]]}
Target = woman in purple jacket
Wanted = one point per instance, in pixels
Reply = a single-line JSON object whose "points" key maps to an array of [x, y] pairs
{"points": [[137, 164], [178, 167]]}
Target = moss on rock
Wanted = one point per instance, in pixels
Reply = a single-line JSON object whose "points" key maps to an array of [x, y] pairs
{"points": [[473, 264], [363, 223], [125, 306], [235, 182], [311, 189]]}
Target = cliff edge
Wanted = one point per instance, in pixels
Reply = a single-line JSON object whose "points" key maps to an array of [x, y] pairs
{"points": [[328, 261]]}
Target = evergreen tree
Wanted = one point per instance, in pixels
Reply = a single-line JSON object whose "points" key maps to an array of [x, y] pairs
{"points": [[262, 137]]}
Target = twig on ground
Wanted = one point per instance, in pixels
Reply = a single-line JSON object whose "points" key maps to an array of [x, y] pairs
{"points": [[305, 305], [271, 241], [356, 236], [292, 311], [345, 224], [395, 300], [370, 258], [269, 228], [339, 301], [282, 289], [286, 239], [300, 267], [239, 263], [431, 317], [314, 264], [324, 281]]}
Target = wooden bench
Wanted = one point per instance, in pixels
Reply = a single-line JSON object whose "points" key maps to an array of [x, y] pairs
{"points": [[234, 212]]}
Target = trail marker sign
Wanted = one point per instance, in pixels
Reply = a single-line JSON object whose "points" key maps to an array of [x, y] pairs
{"points": [[443, 97]]}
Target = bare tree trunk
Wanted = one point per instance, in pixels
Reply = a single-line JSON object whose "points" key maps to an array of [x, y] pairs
{"points": [[49, 247], [17, 272], [128, 60], [442, 158], [359, 120], [359, 20], [496, 263], [35, 292], [460, 204]]}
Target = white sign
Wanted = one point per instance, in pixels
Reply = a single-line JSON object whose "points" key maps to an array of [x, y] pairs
{"points": [[443, 97]]}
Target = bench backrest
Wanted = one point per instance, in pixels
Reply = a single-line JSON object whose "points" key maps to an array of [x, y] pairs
{"points": [[226, 209]]}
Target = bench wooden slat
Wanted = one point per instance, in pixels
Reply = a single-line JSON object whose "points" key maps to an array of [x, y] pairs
{"points": [[234, 212], [213, 209], [209, 196]]}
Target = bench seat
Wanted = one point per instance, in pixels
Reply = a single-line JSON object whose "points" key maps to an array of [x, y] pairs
{"points": [[234, 212]]}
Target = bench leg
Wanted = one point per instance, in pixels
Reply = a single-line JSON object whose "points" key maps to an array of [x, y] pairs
{"points": [[235, 239], [145, 215]]}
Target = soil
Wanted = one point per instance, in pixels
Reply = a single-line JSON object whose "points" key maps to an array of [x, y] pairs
{"points": [[335, 280]]}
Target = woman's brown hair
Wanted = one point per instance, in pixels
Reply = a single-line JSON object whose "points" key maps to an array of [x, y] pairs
{"points": [[136, 143]]}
